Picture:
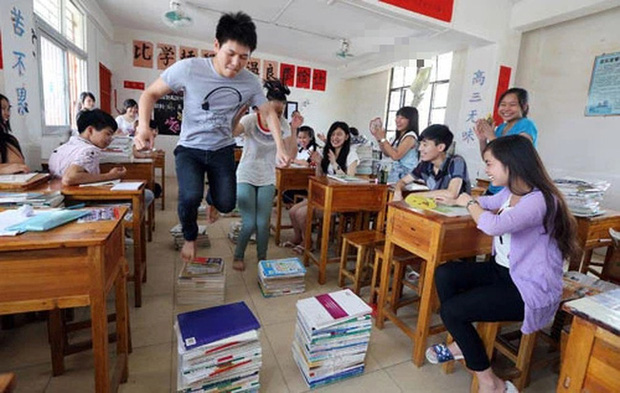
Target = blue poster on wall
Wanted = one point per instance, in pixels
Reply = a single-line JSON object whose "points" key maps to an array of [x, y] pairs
{"points": [[604, 93]]}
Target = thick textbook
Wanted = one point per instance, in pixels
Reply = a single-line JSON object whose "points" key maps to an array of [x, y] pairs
{"points": [[289, 267], [331, 308]]}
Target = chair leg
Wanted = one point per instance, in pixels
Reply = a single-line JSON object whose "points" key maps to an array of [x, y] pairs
{"points": [[524, 357], [397, 285], [376, 271], [361, 257], [343, 262]]}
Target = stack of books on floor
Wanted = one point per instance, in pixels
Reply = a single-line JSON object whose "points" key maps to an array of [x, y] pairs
{"points": [[202, 281], [235, 231], [277, 277], [219, 350], [331, 337], [202, 240], [583, 197]]}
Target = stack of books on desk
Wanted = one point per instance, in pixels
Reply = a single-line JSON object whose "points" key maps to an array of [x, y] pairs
{"points": [[121, 148], [219, 350], [36, 199], [331, 337], [201, 241], [202, 281], [277, 277], [583, 197]]}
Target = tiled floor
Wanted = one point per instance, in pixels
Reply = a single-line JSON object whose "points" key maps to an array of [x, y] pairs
{"points": [[152, 365]]}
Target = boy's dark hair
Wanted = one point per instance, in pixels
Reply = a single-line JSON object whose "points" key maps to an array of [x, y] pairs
{"points": [[129, 103], [236, 27], [522, 96], [97, 119], [276, 90], [354, 131], [438, 133]]}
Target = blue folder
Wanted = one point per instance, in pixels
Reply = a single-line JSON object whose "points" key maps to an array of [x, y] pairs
{"points": [[208, 325], [47, 220]]}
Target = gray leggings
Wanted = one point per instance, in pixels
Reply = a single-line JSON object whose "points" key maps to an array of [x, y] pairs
{"points": [[255, 203]]}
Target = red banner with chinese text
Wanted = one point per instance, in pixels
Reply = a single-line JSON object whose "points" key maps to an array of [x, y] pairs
{"points": [[503, 81], [438, 9]]}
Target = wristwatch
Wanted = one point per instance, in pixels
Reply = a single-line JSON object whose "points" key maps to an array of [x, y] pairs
{"points": [[471, 202], [382, 140]]}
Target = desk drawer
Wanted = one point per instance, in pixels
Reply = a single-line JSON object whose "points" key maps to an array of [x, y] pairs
{"points": [[412, 230]]}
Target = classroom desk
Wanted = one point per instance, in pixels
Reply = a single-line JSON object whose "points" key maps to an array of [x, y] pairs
{"points": [[592, 358], [289, 179], [69, 266], [436, 238], [101, 194], [593, 232], [332, 196], [21, 187], [159, 161]]}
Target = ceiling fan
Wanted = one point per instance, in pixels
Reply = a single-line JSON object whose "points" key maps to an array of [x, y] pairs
{"points": [[345, 46], [176, 16]]}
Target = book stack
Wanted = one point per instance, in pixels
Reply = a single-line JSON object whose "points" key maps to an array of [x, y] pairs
{"points": [[583, 197], [235, 230], [277, 277], [219, 350], [331, 337], [121, 148], [36, 199], [202, 240], [202, 281]]}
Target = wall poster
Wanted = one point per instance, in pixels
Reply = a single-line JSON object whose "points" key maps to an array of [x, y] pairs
{"points": [[169, 114], [604, 92]]}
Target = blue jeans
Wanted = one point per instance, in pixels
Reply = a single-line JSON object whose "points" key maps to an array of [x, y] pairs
{"points": [[255, 203], [191, 165]]}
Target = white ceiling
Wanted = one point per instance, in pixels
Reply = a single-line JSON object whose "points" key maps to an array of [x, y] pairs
{"points": [[307, 30]]}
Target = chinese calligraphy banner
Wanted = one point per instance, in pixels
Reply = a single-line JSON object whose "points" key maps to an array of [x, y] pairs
{"points": [[254, 66], [142, 54], [319, 79], [166, 56], [303, 77], [503, 81], [207, 53], [169, 114], [186, 52], [604, 92], [270, 69], [133, 85], [438, 9], [287, 74]]}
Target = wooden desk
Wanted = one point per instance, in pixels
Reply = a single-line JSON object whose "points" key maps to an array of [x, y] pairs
{"points": [[435, 238], [72, 265], [289, 179], [592, 358], [332, 196], [35, 181], [159, 160], [593, 232], [100, 194]]}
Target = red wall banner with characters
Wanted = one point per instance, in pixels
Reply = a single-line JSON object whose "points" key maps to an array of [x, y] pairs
{"points": [[438, 9], [319, 79], [503, 81], [287, 74], [303, 77]]}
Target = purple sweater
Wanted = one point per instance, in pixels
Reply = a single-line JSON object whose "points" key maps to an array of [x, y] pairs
{"points": [[535, 259]]}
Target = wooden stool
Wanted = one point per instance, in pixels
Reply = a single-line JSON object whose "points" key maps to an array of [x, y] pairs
{"points": [[363, 241]]}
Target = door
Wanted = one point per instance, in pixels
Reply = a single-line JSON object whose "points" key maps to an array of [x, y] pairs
{"points": [[105, 89]]}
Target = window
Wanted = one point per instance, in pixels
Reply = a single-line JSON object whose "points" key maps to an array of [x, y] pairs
{"points": [[60, 24], [432, 108]]}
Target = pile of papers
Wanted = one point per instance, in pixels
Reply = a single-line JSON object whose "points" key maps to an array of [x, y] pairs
{"points": [[202, 281], [364, 153], [331, 337], [202, 240], [121, 148], [219, 350], [277, 277], [583, 197]]}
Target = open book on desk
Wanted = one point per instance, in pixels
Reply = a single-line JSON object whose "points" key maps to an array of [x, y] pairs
{"points": [[17, 178], [102, 183], [347, 179]]}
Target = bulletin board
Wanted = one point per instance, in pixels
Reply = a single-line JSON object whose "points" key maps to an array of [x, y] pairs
{"points": [[169, 114], [604, 92]]}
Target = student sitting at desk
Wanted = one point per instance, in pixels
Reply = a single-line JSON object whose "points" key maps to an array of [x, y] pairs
{"points": [[11, 157], [77, 161], [338, 159], [533, 233], [445, 175]]}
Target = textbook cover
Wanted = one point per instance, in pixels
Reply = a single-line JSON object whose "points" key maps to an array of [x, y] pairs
{"points": [[290, 267], [331, 308]]}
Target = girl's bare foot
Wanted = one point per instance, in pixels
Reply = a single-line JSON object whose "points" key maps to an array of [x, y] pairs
{"points": [[454, 349], [212, 214], [239, 265], [188, 252]]}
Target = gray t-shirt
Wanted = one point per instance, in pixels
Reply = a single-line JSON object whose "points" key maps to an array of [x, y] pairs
{"points": [[210, 101], [258, 162]]}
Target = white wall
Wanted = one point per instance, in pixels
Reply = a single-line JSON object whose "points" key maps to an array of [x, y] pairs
{"points": [[555, 65]]}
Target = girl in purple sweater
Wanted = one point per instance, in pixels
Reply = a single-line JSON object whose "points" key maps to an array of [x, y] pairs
{"points": [[533, 232]]}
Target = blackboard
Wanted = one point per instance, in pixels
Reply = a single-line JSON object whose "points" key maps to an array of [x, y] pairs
{"points": [[169, 114]]}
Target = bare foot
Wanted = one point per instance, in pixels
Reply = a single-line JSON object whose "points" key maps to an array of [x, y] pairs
{"points": [[454, 349], [239, 265], [212, 214], [188, 252]]}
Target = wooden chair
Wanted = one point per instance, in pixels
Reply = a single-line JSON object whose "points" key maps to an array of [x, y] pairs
{"points": [[363, 241]]}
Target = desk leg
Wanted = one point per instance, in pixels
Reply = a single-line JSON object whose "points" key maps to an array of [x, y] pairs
{"points": [[424, 315], [278, 215], [327, 218], [487, 332], [578, 349], [57, 341], [138, 246], [163, 187], [388, 252], [122, 324], [99, 324]]}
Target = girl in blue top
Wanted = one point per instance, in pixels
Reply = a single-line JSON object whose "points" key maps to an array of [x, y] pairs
{"points": [[403, 150], [513, 107]]}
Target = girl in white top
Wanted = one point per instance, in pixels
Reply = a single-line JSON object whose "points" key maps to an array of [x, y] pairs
{"points": [[306, 145], [126, 121], [256, 173], [338, 159]]}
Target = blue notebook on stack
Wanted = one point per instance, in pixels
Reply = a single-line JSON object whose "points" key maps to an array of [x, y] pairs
{"points": [[208, 325]]}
